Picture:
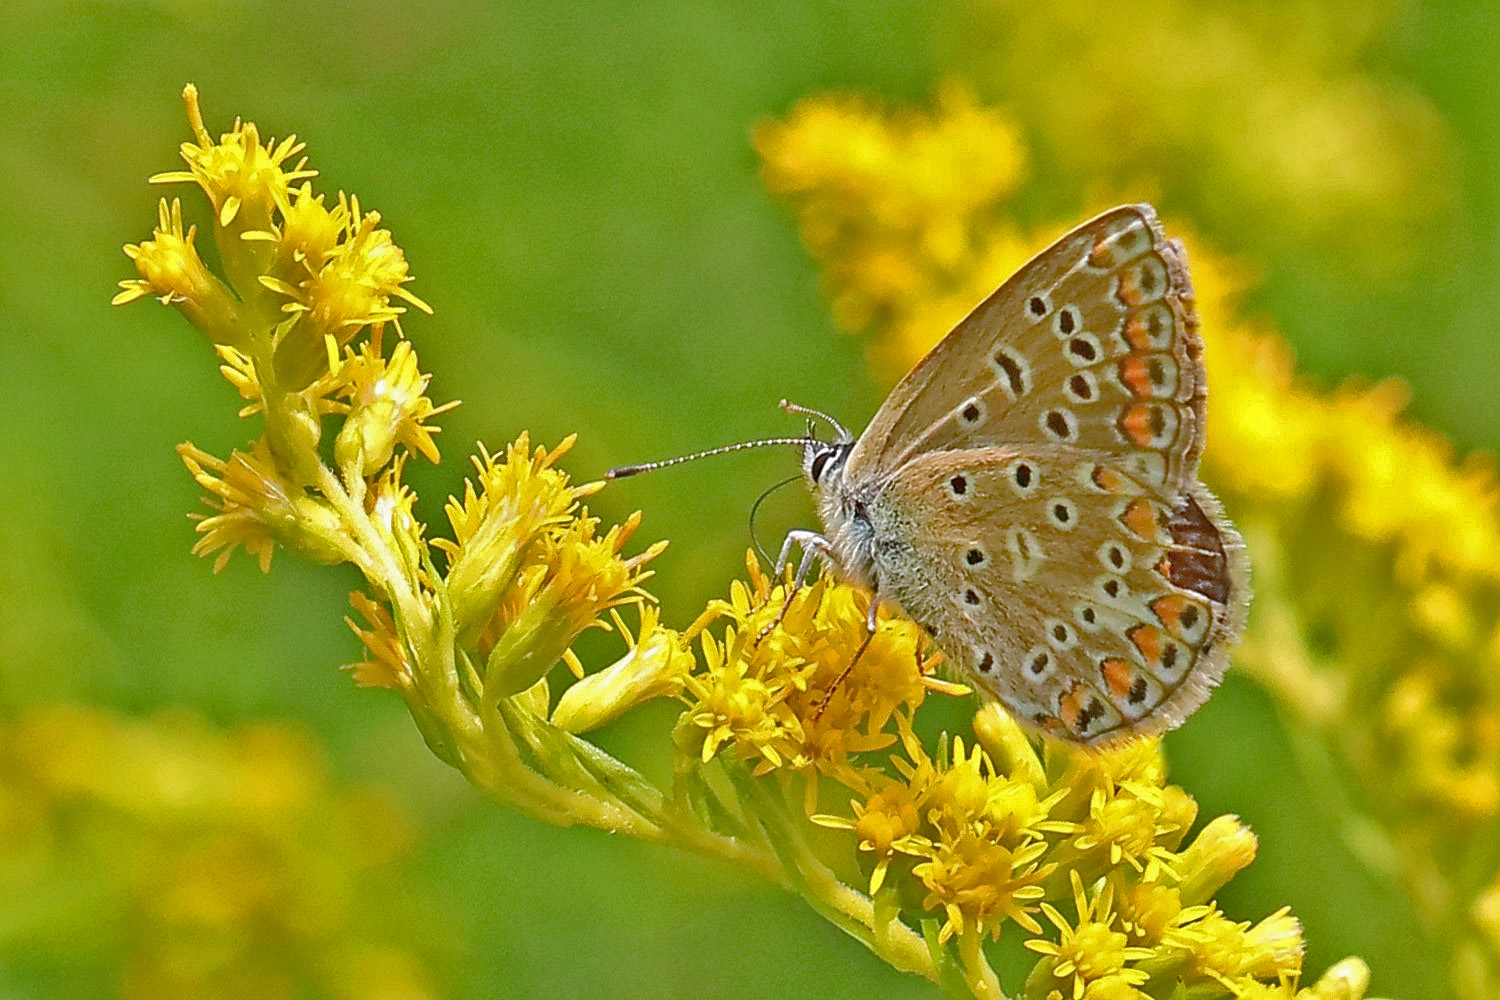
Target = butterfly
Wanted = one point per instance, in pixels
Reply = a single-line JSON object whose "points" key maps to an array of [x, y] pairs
{"points": [[1029, 493]]}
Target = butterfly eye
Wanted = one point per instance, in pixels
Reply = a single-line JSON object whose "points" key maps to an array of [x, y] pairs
{"points": [[819, 463]]}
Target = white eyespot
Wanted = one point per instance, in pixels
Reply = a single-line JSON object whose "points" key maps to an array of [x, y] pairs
{"points": [[1026, 554], [1060, 634], [1132, 241], [1112, 589], [1082, 349], [1038, 665], [1146, 376], [960, 487], [1105, 479], [1148, 466], [1150, 279], [976, 557], [1067, 323], [1182, 617], [1012, 370], [984, 661], [1062, 513], [1023, 476], [1147, 425], [971, 414], [1143, 696], [1095, 715], [1087, 617], [1059, 424], [1081, 387], [1150, 328], [1037, 307], [1114, 557]]}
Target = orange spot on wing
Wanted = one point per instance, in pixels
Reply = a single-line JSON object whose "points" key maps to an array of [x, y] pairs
{"points": [[1118, 674], [1168, 609], [1099, 254], [1110, 481], [1136, 335], [1148, 639], [1070, 705], [1135, 372], [1129, 291], [1136, 423], [1141, 520]]}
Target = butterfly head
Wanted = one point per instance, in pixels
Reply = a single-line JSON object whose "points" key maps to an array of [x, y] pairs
{"points": [[823, 461], [843, 506]]}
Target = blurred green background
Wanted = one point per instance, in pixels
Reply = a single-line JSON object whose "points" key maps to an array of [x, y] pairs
{"points": [[575, 190]]}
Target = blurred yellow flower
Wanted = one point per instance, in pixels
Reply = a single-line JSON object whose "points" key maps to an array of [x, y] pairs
{"points": [[1248, 112], [232, 867]]}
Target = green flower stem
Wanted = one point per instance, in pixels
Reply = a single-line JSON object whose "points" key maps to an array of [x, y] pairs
{"points": [[845, 908], [978, 975]]}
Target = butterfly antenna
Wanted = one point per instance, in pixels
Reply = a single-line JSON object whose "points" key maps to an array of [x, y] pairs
{"points": [[755, 509], [626, 471], [838, 428]]}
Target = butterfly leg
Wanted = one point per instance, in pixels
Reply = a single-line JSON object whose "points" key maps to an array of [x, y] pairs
{"points": [[813, 546], [838, 681]]}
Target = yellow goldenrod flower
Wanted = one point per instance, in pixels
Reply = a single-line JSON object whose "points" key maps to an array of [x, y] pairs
{"points": [[905, 186], [171, 270], [245, 181], [1090, 948], [566, 581], [258, 508], [1220, 851], [387, 406], [1231, 951], [388, 666], [777, 688], [655, 667]]}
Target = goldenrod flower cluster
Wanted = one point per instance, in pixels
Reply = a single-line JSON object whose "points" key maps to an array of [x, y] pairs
{"points": [[303, 321], [800, 750], [1087, 857], [179, 860]]}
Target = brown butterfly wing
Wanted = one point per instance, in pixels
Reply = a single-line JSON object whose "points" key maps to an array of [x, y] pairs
{"points": [[1092, 345], [1089, 602]]}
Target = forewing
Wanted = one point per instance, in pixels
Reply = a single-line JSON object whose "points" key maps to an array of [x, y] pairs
{"points": [[1092, 345], [1092, 604]]}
